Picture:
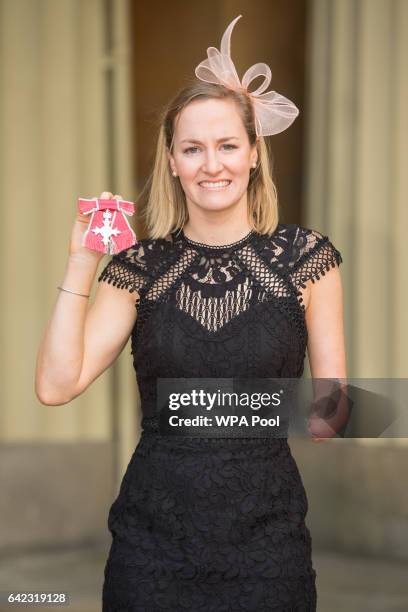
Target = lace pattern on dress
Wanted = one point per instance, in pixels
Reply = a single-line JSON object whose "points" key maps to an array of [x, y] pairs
{"points": [[215, 284], [316, 255], [214, 524], [127, 269]]}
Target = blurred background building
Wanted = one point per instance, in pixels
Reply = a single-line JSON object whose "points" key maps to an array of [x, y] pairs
{"points": [[82, 85]]}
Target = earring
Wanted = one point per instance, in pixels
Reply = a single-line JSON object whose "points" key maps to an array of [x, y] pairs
{"points": [[174, 173]]}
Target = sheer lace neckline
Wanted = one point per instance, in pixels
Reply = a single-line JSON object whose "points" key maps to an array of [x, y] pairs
{"points": [[216, 247]]}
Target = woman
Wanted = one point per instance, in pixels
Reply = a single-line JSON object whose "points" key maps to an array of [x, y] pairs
{"points": [[220, 289]]}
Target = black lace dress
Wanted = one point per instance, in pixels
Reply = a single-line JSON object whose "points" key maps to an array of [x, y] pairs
{"points": [[210, 524]]}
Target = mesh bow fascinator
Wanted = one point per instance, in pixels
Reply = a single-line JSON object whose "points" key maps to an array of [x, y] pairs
{"points": [[273, 112]]}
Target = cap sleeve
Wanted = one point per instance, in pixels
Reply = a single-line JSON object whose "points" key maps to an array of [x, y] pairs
{"points": [[315, 255], [127, 269]]}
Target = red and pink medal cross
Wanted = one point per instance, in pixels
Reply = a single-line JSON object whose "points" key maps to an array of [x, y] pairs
{"points": [[108, 230]]}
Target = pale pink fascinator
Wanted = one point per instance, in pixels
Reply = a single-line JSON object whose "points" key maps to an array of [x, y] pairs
{"points": [[273, 112]]}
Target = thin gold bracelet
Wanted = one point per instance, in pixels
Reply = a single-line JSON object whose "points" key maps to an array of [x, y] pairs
{"points": [[69, 291]]}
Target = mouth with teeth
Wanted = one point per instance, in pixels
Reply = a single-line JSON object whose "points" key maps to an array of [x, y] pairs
{"points": [[214, 185]]}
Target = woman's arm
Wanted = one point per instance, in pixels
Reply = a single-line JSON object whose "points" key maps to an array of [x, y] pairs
{"points": [[326, 346], [82, 341], [325, 326]]}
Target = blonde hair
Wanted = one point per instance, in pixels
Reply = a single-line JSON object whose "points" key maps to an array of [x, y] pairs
{"points": [[166, 209]]}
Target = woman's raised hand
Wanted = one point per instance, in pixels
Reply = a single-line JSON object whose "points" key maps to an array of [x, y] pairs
{"points": [[76, 250]]}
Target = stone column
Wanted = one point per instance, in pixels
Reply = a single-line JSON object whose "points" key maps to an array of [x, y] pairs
{"points": [[357, 156], [64, 127]]}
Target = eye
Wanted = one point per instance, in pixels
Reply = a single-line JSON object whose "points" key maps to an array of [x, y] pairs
{"points": [[190, 149]]}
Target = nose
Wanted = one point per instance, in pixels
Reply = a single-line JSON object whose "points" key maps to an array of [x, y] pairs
{"points": [[212, 163]]}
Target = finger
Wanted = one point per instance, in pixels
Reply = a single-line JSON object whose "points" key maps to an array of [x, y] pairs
{"points": [[106, 195], [82, 218], [117, 197]]}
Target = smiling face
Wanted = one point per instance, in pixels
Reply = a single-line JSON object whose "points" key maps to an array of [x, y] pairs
{"points": [[212, 155]]}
